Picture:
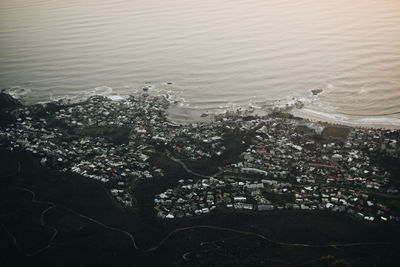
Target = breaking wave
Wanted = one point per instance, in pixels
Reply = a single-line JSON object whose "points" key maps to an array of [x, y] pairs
{"points": [[17, 92], [377, 120], [103, 90], [307, 106]]}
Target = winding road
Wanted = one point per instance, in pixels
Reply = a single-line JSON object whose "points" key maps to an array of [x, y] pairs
{"points": [[42, 223], [169, 235], [185, 167]]}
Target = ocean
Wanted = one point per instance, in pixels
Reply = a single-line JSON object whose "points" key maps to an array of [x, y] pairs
{"points": [[209, 56]]}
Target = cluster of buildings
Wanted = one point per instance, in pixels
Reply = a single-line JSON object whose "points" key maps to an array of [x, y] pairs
{"points": [[280, 151], [107, 140], [199, 197], [287, 167], [289, 164], [84, 138]]}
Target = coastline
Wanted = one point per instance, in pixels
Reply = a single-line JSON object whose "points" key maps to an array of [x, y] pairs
{"points": [[373, 123], [180, 111], [179, 114]]}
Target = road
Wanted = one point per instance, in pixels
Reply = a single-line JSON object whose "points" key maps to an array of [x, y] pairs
{"points": [[168, 236], [185, 167]]}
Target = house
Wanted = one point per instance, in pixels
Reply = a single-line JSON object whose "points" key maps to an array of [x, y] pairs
{"points": [[265, 207]]}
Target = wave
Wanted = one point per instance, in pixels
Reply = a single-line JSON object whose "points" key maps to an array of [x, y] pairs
{"points": [[17, 92], [103, 90], [373, 122], [336, 117], [377, 120], [116, 97], [306, 106]]}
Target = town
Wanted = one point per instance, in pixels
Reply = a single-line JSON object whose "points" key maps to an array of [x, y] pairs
{"points": [[287, 170], [288, 163]]}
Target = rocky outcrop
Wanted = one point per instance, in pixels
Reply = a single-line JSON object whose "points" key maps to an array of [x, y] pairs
{"points": [[8, 102], [7, 105]]}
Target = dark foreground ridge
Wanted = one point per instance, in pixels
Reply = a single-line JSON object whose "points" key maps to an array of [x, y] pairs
{"points": [[115, 182]]}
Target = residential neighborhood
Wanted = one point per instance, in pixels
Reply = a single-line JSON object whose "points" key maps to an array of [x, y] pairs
{"points": [[287, 163]]}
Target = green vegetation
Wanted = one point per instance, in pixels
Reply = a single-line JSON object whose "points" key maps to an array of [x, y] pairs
{"points": [[336, 132], [235, 144], [395, 204], [391, 203], [72, 223], [302, 129], [116, 135], [279, 198], [81, 241]]}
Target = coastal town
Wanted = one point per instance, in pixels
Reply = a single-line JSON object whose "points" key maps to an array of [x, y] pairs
{"points": [[285, 169], [288, 163]]}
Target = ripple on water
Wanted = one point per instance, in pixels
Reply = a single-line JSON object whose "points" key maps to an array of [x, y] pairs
{"points": [[215, 52]]}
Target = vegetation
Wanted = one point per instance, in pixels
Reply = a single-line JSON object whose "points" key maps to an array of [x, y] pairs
{"points": [[235, 144], [339, 132], [279, 198], [86, 218], [117, 135]]}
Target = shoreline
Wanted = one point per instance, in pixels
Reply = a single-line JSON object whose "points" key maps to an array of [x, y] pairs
{"points": [[194, 115], [178, 113], [373, 122]]}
